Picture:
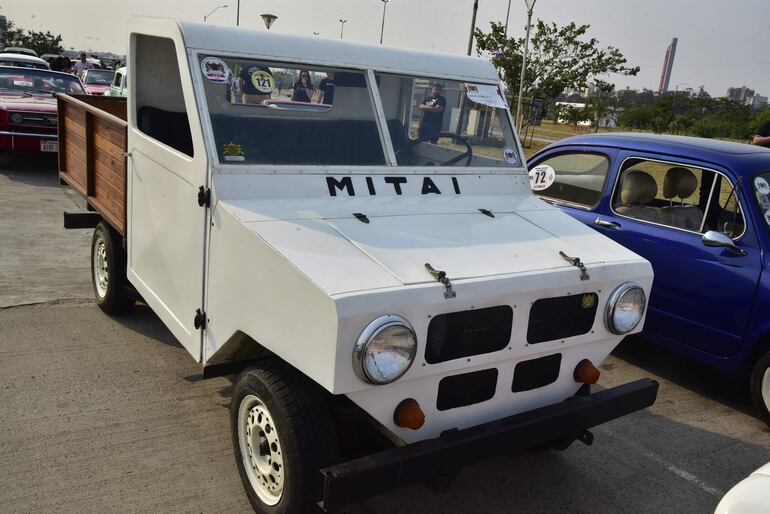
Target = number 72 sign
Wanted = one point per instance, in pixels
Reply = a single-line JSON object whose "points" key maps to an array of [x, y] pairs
{"points": [[541, 177]]}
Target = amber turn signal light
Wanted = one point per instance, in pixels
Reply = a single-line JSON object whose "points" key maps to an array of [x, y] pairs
{"points": [[586, 372], [408, 414]]}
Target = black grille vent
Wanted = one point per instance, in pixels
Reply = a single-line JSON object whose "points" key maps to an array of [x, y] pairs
{"points": [[466, 333], [536, 373], [564, 316], [466, 389]]}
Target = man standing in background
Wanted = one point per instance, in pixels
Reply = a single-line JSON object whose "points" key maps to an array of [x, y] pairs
{"points": [[82, 64], [762, 137]]}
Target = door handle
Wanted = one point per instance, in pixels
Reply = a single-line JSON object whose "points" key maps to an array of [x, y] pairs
{"points": [[607, 224]]}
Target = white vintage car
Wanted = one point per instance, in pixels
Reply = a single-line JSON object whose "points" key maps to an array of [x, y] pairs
{"points": [[371, 260]]}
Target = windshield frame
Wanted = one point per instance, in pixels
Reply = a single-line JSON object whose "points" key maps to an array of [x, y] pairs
{"points": [[390, 166]]}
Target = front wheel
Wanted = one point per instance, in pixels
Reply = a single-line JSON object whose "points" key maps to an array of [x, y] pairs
{"points": [[283, 434], [108, 270], [759, 383]]}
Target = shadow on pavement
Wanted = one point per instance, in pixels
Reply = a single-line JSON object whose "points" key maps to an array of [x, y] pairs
{"points": [[731, 390], [34, 169]]}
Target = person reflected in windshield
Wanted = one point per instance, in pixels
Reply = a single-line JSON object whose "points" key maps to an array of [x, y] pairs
{"points": [[303, 88], [433, 109], [326, 87]]}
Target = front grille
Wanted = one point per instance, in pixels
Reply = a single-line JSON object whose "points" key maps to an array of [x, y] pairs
{"points": [[34, 119], [564, 316], [466, 389], [466, 333], [531, 374]]}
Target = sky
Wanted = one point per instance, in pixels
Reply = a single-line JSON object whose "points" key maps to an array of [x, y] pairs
{"points": [[721, 43]]}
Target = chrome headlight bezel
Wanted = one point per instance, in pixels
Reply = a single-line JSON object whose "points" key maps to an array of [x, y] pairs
{"points": [[612, 306], [369, 335], [16, 118]]}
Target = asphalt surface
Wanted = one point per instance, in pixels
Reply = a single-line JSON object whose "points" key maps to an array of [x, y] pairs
{"points": [[101, 414]]}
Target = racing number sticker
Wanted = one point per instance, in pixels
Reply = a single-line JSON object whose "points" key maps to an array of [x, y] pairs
{"points": [[263, 81], [762, 186], [541, 177]]}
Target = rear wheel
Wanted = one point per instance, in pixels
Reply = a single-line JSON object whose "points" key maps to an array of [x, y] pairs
{"points": [[759, 383], [283, 434], [108, 270]]}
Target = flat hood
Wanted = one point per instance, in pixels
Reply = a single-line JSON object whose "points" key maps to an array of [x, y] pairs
{"points": [[389, 246]]}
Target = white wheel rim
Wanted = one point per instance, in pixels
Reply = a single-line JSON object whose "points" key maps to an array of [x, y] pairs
{"points": [[261, 450], [766, 388], [101, 271]]}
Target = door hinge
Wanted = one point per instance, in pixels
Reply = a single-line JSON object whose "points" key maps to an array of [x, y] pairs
{"points": [[199, 322], [204, 197]]}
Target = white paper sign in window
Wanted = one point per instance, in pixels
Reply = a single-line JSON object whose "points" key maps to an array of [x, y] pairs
{"points": [[485, 95]]}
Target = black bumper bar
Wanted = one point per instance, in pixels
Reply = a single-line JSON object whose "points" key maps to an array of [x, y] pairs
{"points": [[380, 472]]}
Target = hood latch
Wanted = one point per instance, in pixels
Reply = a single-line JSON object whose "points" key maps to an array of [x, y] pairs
{"points": [[575, 261], [440, 276]]}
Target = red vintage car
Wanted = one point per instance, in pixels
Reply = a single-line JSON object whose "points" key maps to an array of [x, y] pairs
{"points": [[28, 119], [97, 82]]}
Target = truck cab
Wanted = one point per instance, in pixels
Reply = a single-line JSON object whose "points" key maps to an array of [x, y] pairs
{"points": [[351, 228]]}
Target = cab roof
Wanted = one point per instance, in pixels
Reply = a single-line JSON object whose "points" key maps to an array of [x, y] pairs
{"points": [[276, 46]]}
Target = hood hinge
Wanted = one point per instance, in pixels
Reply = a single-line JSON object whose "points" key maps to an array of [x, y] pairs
{"points": [[199, 322]]}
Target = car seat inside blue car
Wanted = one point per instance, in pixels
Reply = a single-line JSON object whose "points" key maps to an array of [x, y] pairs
{"points": [[637, 189], [681, 183]]}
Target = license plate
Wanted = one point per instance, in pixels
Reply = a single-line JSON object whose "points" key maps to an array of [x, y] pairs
{"points": [[49, 146]]}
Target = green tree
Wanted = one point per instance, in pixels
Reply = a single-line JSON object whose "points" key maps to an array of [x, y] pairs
{"points": [[41, 42], [559, 58]]}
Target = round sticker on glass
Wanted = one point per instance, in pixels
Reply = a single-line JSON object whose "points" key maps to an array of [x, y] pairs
{"points": [[263, 81], [215, 70], [510, 156], [767, 217], [541, 177], [762, 186]]}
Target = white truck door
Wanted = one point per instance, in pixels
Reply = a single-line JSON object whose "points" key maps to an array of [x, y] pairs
{"points": [[168, 166]]}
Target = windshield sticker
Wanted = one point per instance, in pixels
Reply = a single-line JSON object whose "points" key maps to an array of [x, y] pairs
{"points": [[767, 217], [764, 202], [762, 186], [263, 81], [510, 156], [215, 70], [233, 152], [541, 177], [485, 95]]}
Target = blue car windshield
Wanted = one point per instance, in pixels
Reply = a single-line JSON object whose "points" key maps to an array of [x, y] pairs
{"points": [[761, 188]]}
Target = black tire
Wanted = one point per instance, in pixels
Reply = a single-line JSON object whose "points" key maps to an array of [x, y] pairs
{"points": [[759, 385], [108, 270], [306, 440]]}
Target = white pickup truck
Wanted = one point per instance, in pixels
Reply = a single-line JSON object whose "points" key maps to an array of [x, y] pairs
{"points": [[351, 228]]}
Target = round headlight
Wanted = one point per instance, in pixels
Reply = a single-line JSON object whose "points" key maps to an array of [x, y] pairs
{"points": [[384, 350], [625, 308], [16, 117]]}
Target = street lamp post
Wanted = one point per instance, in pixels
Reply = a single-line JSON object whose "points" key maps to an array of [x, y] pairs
{"points": [[382, 30], [473, 25], [342, 27], [213, 11], [238, 13], [507, 15], [530, 8]]}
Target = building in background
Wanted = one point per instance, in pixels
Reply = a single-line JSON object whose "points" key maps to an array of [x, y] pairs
{"points": [[739, 94], [757, 101], [668, 65]]}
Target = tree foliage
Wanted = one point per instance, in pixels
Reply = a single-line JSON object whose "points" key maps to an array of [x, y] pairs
{"points": [[559, 58], [41, 42]]}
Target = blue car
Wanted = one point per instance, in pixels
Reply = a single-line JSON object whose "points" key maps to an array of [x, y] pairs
{"points": [[699, 211]]}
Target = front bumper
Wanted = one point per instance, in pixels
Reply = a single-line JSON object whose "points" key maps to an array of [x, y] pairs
{"points": [[380, 472], [24, 141]]}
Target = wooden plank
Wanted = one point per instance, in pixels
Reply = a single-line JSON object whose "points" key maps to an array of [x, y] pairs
{"points": [[90, 187], [84, 103], [75, 127], [117, 223], [107, 194], [116, 135], [76, 116], [112, 169], [107, 175], [108, 146], [76, 166]]}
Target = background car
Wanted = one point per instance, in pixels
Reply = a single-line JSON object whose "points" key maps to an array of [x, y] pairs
{"points": [[699, 211], [28, 116], [97, 82], [19, 50], [23, 61], [119, 83]]}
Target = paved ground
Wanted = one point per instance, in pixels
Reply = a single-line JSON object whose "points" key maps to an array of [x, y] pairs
{"points": [[101, 414]]}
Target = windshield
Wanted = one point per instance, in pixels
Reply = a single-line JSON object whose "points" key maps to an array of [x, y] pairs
{"points": [[272, 113], [761, 188], [436, 122], [99, 77], [38, 82]]}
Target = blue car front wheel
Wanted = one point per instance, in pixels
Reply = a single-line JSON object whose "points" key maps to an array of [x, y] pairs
{"points": [[760, 386]]}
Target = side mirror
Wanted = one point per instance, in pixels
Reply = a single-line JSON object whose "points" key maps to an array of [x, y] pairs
{"points": [[715, 239]]}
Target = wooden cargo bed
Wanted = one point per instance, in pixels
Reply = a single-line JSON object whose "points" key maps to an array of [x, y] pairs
{"points": [[92, 146]]}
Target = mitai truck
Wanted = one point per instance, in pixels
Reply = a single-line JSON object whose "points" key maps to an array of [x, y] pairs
{"points": [[394, 299]]}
